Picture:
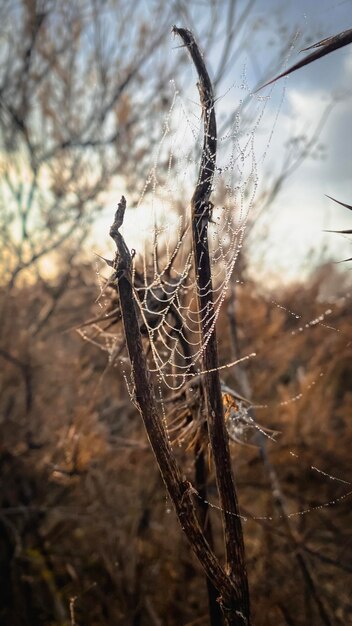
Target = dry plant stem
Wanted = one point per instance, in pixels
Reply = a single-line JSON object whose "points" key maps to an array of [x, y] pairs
{"points": [[180, 490], [200, 481], [201, 213], [200, 478]]}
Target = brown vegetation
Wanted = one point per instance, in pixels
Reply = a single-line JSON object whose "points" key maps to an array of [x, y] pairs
{"points": [[84, 513], [87, 532]]}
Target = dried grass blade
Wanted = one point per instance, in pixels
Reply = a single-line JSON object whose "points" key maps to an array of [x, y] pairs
{"points": [[321, 48], [347, 206]]}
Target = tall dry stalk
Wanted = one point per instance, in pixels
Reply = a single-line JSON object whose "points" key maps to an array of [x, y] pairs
{"points": [[230, 581], [218, 437]]}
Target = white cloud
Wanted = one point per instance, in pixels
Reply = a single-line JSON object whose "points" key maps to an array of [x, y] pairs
{"points": [[308, 105]]}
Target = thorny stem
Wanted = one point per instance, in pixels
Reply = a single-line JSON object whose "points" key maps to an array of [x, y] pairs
{"points": [[238, 611]]}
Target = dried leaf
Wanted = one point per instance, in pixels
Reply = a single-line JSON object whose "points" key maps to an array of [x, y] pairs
{"points": [[348, 206], [342, 232], [325, 46]]}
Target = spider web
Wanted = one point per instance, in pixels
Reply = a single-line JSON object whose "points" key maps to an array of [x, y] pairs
{"points": [[164, 280], [166, 292]]}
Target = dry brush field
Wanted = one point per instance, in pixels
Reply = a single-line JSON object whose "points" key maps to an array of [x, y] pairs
{"points": [[87, 533]]}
